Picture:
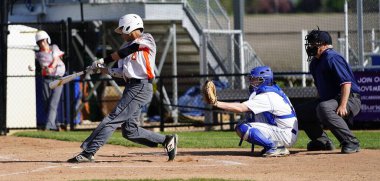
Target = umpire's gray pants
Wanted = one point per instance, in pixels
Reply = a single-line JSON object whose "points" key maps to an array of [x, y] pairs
{"points": [[126, 113], [51, 99], [312, 115]]}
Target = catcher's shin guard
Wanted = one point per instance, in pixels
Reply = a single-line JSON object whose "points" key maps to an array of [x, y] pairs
{"points": [[253, 135]]}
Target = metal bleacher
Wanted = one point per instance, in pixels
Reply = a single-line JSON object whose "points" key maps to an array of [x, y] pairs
{"points": [[190, 16]]}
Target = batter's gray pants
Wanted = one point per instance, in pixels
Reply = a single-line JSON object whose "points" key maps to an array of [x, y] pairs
{"points": [[51, 99], [313, 115], [126, 114]]}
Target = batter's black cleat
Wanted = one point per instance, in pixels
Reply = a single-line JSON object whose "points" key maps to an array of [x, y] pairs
{"points": [[170, 145], [81, 158], [316, 145], [350, 146]]}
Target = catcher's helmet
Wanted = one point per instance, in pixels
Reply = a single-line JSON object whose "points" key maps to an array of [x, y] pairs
{"points": [[129, 23], [261, 76], [314, 40], [41, 35]]}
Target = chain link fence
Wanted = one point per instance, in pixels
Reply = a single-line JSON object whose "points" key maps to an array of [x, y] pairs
{"points": [[363, 33], [209, 14], [25, 107], [194, 112], [276, 39]]}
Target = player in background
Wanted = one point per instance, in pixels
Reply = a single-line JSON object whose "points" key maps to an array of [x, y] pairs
{"points": [[339, 98], [271, 120], [136, 60], [52, 67]]}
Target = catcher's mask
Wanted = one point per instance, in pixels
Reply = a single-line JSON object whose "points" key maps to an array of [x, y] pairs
{"points": [[314, 40], [260, 76]]}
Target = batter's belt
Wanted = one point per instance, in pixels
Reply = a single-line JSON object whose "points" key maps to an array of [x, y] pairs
{"points": [[138, 81]]}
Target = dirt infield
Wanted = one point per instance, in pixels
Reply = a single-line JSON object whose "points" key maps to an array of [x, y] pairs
{"points": [[43, 159]]}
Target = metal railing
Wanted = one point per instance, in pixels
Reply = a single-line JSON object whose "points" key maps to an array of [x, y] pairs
{"points": [[250, 57], [209, 16]]}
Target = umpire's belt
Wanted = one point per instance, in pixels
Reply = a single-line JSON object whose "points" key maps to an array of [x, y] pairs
{"points": [[354, 95], [138, 81]]}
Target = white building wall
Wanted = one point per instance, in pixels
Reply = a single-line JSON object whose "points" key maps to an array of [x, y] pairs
{"points": [[21, 91]]}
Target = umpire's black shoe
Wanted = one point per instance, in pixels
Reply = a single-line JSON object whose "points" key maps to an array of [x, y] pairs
{"points": [[170, 145], [316, 145], [350, 146]]}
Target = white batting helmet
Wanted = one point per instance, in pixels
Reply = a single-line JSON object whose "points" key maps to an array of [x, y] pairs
{"points": [[41, 35], [128, 23]]}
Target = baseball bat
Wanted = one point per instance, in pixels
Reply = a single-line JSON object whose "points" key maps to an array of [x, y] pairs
{"points": [[65, 79]]}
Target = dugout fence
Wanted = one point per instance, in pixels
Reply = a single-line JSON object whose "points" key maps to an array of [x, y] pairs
{"points": [[25, 108], [279, 47], [193, 114], [24, 87]]}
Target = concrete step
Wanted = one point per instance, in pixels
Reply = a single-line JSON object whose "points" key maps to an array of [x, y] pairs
{"points": [[181, 50], [182, 59]]}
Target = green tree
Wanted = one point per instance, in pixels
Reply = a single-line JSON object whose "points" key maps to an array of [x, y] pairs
{"points": [[228, 6], [334, 6]]}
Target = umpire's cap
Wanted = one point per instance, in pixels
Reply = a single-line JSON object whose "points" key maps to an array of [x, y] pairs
{"points": [[318, 37], [325, 37]]}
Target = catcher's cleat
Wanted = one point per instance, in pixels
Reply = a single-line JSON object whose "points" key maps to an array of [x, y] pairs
{"points": [[81, 159], [277, 152], [350, 146], [319, 146], [170, 145], [263, 151]]}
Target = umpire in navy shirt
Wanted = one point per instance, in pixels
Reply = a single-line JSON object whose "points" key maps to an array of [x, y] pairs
{"points": [[339, 98]]}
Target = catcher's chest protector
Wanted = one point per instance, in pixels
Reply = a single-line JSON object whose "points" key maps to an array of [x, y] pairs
{"points": [[268, 115]]}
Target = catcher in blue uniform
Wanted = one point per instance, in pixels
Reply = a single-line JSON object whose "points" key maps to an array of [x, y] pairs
{"points": [[271, 123]]}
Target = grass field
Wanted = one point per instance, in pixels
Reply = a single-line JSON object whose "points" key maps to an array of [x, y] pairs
{"points": [[211, 139]]}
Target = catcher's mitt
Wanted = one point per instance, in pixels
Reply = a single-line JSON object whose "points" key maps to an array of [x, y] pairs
{"points": [[209, 93]]}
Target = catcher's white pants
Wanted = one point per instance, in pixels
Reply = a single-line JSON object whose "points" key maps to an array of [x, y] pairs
{"points": [[280, 136]]}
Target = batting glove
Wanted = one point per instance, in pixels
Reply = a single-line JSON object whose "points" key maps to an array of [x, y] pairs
{"points": [[97, 64], [91, 70]]}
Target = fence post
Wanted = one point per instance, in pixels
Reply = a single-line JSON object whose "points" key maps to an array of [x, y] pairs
{"points": [[3, 66], [175, 73], [359, 5], [70, 109], [232, 120], [346, 51], [162, 121], [241, 61], [66, 89], [305, 64]]}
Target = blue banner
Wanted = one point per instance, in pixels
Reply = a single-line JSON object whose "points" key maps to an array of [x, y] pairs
{"points": [[369, 83]]}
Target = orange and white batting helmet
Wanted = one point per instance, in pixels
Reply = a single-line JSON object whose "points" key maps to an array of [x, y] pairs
{"points": [[129, 23], [41, 35]]}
